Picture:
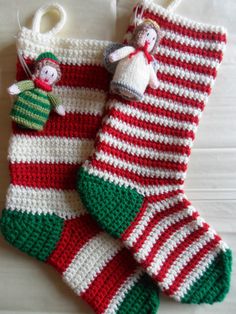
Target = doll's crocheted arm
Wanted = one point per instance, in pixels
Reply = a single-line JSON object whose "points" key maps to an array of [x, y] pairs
{"points": [[153, 81], [20, 87], [56, 104], [121, 53]]}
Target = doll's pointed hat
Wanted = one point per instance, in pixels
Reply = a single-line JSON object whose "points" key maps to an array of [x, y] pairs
{"points": [[47, 56]]}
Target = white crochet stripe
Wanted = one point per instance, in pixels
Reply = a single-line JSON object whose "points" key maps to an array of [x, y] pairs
{"points": [[185, 74], [82, 100], [196, 43], [152, 209], [65, 204], [153, 118], [122, 181], [183, 91], [183, 259], [172, 106], [142, 151], [196, 273], [142, 171], [157, 231], [89, 261], [170, 245], [188, 57], [68, 51], [183, 21], [146, 134], [49, 149], [119, 297]]}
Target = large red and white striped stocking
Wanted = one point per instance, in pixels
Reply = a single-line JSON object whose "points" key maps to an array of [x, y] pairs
{"points": [[44, 216], [133, 184]]}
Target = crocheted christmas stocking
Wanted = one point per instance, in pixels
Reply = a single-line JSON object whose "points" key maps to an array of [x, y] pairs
{"points": [[133, 184], [44, 216]]}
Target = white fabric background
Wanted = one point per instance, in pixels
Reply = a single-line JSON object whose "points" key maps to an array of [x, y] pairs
{"points": [[27, 286]]}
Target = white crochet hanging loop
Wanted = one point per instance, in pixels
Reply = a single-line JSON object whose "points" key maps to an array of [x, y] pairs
{"points": [[138, 17], [36, 28], [45, 9], [173, 5]]}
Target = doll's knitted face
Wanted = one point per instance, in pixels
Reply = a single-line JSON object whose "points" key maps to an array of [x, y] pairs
{"points": [[148, 36], [48, 74]]}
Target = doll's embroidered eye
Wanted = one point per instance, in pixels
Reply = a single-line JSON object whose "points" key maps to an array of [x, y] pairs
{"points": [[46, 71], [147, 34]]}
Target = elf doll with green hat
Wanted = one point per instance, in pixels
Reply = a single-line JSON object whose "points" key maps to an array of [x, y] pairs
{"points": [[35, 98]]}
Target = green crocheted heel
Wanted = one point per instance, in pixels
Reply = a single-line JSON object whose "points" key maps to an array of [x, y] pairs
{"points": [[36, 235], [214, 284], [113, 207]]}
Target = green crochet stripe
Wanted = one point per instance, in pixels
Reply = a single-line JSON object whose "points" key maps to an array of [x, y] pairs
{"points": [[26, 124], [20, 108], [26, 120], [33, 110], [33, 97], [215, 282], [30, 105], [142, 298], [113, 207], [40, 93], [34, 234]]}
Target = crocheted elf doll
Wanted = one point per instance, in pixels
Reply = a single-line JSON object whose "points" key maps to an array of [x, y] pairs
{"points": [[35, 98], [134, 71], [44, 216], [133, 183]]}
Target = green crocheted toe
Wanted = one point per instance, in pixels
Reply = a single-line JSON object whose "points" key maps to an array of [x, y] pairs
{"points": [[34, 234], [113, 207], [214, 284], [143, 298]]}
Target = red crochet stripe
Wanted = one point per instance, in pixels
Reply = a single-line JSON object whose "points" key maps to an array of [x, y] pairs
{"points": [[214, 54], [44, 175], [72, 125], [157, 218], [190, 239], [175, 98], [148, 107], [152, 200], [184, 30], [166, 236], [124, 173], [107, 283], [197, 68], [76, 233], [160, 197], [157, 128], [185, 83], [87, 76], [142, 161], [191, 265], [161, 147]]}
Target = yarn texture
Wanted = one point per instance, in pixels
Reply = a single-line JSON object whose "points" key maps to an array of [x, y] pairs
{"points": [[44, 216], [133, 183]]}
